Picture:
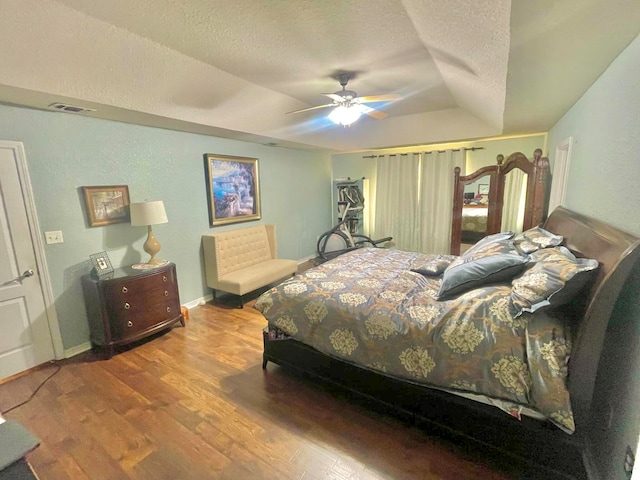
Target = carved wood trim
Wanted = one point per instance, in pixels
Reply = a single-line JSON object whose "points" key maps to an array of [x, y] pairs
{"points": [[458, 200], [537, 171]]}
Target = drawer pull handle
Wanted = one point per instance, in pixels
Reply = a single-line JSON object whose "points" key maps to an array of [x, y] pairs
{"points": [[127, 306], [125, 289], [168, 309], [166, 294], [164, 278], [129, 324]]}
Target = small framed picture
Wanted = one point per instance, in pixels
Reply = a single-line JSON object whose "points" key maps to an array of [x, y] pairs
{"points": [[483, 188], [106, 204], [101, 263]]}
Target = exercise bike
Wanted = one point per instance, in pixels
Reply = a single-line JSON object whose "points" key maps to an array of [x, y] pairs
{"points": [[339, 240]]}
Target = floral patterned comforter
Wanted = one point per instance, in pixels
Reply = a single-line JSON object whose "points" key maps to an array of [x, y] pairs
{"points": [[367, 307]]}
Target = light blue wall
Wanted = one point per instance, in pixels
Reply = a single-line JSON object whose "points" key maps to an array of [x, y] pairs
{"points": [[604, 174], [604, 178], [65, 152], [354, 166]]}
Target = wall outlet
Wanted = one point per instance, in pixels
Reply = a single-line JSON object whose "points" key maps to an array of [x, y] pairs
{"points": [[53, 237], [629, 459]]}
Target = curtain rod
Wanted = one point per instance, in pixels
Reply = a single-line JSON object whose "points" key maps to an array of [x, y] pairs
{"points": [[426, 153]]}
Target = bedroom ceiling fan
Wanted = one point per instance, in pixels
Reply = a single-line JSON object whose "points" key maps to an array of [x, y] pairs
{"points": [[348, 106]]}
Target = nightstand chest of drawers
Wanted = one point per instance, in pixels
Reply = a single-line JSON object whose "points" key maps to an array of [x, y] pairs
{"points": [[131, 304]]}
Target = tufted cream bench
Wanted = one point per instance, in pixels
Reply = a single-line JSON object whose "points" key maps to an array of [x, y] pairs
{"points": [[243, 260]]}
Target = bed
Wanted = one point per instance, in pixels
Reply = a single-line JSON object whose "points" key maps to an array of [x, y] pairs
{"points": [[550, 431], [474, 222]]}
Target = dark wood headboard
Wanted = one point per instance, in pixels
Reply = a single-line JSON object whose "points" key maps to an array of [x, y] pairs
{"points": [[617, 253]]}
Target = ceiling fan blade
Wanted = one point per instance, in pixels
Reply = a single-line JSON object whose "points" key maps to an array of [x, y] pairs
{"points": [[312, 108], [335, 97], [390, 97], [372, 112]]}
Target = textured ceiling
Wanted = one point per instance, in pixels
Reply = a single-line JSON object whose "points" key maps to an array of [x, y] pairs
{"points": [[466, 68]]}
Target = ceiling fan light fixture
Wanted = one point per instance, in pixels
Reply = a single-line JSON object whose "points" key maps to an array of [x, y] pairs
{"points": [[345, 114]]}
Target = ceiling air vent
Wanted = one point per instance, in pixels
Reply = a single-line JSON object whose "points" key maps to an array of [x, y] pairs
{"points": [[63, 107]]}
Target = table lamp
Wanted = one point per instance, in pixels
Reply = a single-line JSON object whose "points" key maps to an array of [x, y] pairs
{"points": [[147, 214]]}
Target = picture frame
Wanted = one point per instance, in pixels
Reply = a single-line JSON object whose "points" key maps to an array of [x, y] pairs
{"points": [[106, 204], [101, 264], [233, 189], [483, 189]]}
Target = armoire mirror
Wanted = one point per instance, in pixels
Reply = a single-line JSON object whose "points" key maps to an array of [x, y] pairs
{"points": [[472, 216], [511, 195]]}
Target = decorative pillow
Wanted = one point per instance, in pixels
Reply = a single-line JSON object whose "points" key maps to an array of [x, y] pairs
{"points": [[435, 266], [476, 273], [554, 278], [498, 247], [536, 238], [488, 240]]}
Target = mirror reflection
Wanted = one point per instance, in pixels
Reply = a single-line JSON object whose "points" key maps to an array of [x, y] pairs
{"points": [[515, 201], [475, 211]]}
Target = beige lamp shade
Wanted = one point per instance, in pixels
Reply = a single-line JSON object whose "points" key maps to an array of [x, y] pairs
{"points": [[147, 214]]}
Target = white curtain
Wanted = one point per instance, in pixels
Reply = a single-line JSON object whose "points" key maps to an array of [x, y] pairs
{"points": [[397, 200], [515, 198], [436, 199], [414, 199]]}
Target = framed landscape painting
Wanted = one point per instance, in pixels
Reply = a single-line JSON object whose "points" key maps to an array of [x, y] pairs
{"points": [[233, 189], [106, 204]]}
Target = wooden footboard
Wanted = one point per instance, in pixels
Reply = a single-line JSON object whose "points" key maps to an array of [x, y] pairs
{"points": [[539, 443]]}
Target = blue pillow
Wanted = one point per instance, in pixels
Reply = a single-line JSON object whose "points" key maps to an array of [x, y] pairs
{"points": [[434, 266], [470, 274]]}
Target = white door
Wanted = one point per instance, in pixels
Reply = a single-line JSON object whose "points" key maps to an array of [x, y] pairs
{"points": [[25, 337], [560, 174]]}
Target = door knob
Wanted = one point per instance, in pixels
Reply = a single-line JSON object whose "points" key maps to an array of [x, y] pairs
{"points": [[27, 273]]}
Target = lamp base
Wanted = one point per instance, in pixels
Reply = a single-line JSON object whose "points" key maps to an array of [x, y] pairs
{"points": [[150, 266], [152, 247]]}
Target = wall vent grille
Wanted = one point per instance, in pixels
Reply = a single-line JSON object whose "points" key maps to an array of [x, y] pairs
{"points": [[64, 107]]}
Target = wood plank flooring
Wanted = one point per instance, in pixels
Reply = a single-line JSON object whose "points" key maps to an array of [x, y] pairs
{"points": [[194, 403]]}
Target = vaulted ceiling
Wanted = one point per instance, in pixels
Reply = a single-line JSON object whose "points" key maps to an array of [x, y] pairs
{"points": [[465, 68]]}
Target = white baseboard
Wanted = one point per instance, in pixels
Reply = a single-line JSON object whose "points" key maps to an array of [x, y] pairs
{"points": [[78, 349], [198, 301]]}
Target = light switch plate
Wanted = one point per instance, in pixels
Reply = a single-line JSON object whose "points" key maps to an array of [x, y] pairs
{"points": [[53, 237]]}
